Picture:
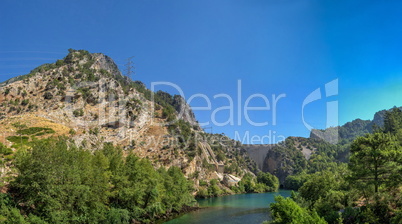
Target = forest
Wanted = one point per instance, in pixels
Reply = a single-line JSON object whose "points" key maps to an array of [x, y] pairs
{"points": [[58, 182], [366, 189]]}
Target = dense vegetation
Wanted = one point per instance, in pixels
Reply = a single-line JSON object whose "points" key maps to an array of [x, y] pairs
{"points": [[357, 180], [43, 180], [292, 161], [60, 183], [263, 182], [366, 190]]}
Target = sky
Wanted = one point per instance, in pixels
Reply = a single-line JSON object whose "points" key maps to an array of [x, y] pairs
{"points": [[254, 62]]}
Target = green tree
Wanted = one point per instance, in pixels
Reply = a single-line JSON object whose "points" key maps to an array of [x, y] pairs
{"points": [[19, 127], [268, 180], [375, 161], [318, 186], [287, 211], [247, 183], [213, 188], [393, 120], [61, 183], [294, 182]]}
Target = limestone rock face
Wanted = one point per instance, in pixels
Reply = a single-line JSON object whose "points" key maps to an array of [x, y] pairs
{"points": [[184, 110], [105, 62], [86, 97]]}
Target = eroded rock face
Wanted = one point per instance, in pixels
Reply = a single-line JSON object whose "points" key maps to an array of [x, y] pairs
{"points": [[329, 135], [105, 62], [185, 111]]}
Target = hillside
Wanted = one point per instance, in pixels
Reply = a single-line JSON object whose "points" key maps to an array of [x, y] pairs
{"points": [[85, 97], [323, 149], [350, 130]]}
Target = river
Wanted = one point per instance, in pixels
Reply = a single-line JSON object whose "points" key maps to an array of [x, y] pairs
{"points": [[232, 209]]}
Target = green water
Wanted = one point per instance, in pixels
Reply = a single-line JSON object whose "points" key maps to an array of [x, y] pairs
{"points": [[241, 208]]}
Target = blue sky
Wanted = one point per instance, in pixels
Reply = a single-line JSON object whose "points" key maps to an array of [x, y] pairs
{"points": [[274, 47]]}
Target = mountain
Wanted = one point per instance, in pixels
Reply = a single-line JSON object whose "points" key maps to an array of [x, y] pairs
{"points": [[323, 147], [350, 130], [85, 97]]}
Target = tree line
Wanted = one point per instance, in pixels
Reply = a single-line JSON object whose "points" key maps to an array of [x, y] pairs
{"points": [[59, 182], [368, 189]]}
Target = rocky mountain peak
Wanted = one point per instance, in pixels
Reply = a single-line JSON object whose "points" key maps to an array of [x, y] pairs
{"points": [[85, 97], [96, 61]]}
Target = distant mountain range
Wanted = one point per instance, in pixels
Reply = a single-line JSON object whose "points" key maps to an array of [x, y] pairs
{"points": [[297, 153]]}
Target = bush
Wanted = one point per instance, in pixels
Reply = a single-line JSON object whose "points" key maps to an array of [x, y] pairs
{"points": [[220, 157], [168, 113], [94, 131], [78, 113], [294, 182], [118, 216], [270, 181], [4, 150], [202, 193], [203, 183], [285, 211], [7, 91], [18, 139], [48, 96], [213, 189], [59, 63], [25, 102]]}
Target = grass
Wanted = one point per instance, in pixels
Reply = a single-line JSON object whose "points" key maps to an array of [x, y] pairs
{"points": [[36, 130], [4, 150], [18, 139]]}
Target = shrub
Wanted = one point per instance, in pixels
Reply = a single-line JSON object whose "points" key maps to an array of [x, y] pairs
{"points": [[59, 63], [25, 102], [203, 183], [94, 131], [48, 96], [19, 90], [4, 150], [202, 193], [285, 210], [18, 139], [7, 91], [78, 113]]}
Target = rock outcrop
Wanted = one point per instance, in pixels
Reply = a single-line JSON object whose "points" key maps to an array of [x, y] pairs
{"points": [[85, 97]]}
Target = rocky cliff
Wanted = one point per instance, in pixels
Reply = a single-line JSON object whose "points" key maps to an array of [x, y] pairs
{"points": [[85, 97]]}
